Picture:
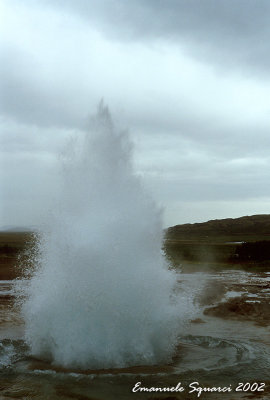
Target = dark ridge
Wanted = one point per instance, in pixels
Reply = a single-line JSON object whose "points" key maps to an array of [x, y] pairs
{"points": [[243, 226]]}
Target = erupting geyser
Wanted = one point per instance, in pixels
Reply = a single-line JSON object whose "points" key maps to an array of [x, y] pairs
{"points": [[101, 295]]}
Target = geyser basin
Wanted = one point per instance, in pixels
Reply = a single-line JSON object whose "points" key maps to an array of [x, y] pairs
{"points": [[101, 295]]}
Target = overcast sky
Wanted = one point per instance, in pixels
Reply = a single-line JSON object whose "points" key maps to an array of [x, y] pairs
{"points": [[189, 79]]}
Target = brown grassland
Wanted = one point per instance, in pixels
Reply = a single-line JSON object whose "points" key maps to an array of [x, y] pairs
{"points": [[12, 245], [229, 243]]}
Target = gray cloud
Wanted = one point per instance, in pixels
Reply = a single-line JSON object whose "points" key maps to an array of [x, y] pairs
{"points": [[201, 133], [228, 32], [32, 95]]}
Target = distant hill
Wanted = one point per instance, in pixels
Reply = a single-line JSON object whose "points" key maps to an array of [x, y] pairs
{"points": [[255, 227]]}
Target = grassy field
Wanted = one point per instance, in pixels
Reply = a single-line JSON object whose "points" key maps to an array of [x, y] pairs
{"points": [[240, 243], [249, 253], [12, 245]]}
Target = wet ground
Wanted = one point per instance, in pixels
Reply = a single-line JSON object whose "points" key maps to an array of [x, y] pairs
{"points": [[225, 344]]}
